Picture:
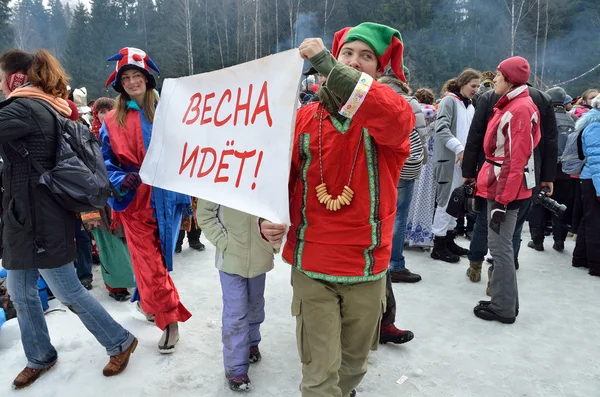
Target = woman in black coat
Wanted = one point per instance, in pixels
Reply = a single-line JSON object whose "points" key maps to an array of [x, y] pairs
{"points": [[38, 233]]}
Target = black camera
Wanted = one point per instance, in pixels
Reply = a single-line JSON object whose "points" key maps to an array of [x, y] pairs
{"points": [[462, 201], [551, 205]]}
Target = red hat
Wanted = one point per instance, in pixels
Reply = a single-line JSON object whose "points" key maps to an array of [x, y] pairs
{"points": [[74, 112], [131, 58], [516, 70], [385, 42]]}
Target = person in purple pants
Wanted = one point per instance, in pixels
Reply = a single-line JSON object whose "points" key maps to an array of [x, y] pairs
{"points": [[243, 259]]}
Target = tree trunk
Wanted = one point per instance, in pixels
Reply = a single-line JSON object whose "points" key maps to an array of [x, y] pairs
{"points": [[537, 34], [188, 36], [276, 26], [512, 30], [219, 41], [256, 29], [545, 44]]}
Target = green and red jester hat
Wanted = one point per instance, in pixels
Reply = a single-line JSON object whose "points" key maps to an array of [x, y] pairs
{"points": [[385, 42]]}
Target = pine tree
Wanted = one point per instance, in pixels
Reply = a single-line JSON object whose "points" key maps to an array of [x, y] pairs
{"points": [[6, 29], [78, 53]]}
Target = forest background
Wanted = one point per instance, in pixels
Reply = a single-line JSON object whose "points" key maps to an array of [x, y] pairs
{"points": [[561, 39]]}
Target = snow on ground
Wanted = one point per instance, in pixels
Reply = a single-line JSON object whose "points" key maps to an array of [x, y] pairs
{"points": [[552, 350]]}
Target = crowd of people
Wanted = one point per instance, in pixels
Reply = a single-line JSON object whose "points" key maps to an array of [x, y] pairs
{"points": [[374, 169]]}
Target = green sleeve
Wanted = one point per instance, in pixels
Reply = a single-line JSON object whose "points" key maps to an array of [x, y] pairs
{"points": [[341, 79]]}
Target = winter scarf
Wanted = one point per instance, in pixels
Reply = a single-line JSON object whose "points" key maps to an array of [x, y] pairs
{"points": [[29, 91]]}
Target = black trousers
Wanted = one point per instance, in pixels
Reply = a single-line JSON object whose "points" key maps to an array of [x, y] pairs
{"points": [[539, 215], [193, 235], [576, 204], [587, 248], [389, 316]]}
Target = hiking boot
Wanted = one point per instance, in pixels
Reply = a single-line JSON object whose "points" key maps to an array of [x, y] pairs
{"points": [[487, 303], [404, 276], [440, 251], [29, 375], [254, 355], [238, 383], [118, 363], [120, 296], [87, 284], [169, 338], [178, 249], [149, 317], [197, 245], [559, 246], [490, 271], [536, 246], [474, 271], [453, 247], [389, 333], [484, 312]]}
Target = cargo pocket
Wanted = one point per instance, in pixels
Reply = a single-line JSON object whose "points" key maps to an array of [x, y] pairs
{"points": [[375, 341], [301, 336]]}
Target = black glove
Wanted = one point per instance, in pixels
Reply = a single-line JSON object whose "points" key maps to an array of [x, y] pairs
{"points": [[497, 216], [131, 181]]}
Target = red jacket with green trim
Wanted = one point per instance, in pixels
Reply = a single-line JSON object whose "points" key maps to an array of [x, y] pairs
{"points": [[354, 243]]}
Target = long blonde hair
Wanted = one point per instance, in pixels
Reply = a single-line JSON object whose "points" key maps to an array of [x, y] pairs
{"points": [[148, 106]]}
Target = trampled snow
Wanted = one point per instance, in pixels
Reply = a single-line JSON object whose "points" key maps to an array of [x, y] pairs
{"points": [[552, 350]]}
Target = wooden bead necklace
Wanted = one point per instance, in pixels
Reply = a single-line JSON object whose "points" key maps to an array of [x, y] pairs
{"points": [[345, 198]]}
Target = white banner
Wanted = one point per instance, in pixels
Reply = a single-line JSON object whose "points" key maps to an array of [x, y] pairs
{"points": [[226, 136]]}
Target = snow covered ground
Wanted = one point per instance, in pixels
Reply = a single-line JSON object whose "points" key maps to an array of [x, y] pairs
{"points": [[552, 350]]}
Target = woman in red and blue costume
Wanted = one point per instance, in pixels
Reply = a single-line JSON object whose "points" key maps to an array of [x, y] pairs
{"points": [[150, 215]]}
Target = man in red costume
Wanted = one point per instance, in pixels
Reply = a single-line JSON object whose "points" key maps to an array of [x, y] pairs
{"points": [[349, 149]]}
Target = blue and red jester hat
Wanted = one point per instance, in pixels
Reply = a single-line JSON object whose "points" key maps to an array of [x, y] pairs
{"points": [[131, 58]]}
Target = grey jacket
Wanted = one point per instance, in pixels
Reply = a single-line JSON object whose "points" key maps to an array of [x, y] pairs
{"points": [[444, 158]]}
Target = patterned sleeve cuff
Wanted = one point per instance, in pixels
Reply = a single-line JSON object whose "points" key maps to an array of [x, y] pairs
{"points": [[358, 96]]}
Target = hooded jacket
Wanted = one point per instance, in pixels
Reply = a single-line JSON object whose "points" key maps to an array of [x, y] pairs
{"points": [[590, 146], [38, 232], [512, 134]]}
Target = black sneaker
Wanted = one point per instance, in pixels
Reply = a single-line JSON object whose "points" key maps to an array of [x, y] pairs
{"points": [[536, 246], [404, 276], [197, 245], [119, 296], [453, 247], [559, 246], [87, 284], [238, 383], [254, 355], [484, 312]]}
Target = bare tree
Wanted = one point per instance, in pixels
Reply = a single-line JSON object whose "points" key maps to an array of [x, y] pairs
{"points": [[277, 25], [22, 24], [537, 33], [518, 12], [545, 43], [182, 33], [327, 14]]}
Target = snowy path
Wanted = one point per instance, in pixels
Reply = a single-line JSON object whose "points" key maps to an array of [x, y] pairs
{"points": [[552, 350]]}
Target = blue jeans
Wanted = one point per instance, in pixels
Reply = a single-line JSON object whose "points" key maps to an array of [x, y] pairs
{"points": [[405, 195], [84, 252], [22, 287], [479, 242]]}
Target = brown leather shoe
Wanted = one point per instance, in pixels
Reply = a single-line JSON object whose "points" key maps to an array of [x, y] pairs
{"points": [[28, 376], [118, 363]]}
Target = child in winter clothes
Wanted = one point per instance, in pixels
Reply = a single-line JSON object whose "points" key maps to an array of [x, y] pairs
{"points": [[243, 259], [115, 259]]}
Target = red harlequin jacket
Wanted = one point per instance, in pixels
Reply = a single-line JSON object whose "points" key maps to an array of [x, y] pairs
{"points": [[354, 243]]}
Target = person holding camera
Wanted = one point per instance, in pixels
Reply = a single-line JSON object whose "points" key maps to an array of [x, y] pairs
{"points": [[545, 208], [506, 180]]}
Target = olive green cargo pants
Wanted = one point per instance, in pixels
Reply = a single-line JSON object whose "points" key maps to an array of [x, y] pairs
{"points": [[336, 327]]}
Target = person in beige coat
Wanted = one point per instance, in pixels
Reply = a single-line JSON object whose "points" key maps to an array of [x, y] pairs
{"points": [[243, 258]]}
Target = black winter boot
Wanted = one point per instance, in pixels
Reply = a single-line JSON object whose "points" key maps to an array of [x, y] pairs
{"points": [[452, 247], [440, 251]]}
